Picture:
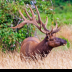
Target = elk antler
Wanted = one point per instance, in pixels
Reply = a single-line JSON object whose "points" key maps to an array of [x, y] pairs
{"points": [[39, 20], [31, 21], [44, 25], [56, 29], [35, 22]]}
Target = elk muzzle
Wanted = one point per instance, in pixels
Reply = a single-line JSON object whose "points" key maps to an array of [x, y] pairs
{"points": [[63, 42], [57, 42]]}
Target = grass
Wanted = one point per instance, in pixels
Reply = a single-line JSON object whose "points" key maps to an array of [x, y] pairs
{"points": [[64, 18], [55, 60], [66, 32]]}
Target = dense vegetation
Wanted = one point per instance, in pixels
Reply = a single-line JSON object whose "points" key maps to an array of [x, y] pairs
{"points": [[56, 10]]}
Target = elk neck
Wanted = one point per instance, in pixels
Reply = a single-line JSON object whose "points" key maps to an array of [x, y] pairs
{"points": [[43, 47]]}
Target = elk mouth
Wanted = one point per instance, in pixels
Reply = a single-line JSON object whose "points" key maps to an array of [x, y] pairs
{"points": [[65, 42]]}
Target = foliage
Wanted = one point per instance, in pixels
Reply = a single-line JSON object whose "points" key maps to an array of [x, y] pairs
{"points": [[9, 16], [9, 38], [45, 7]]}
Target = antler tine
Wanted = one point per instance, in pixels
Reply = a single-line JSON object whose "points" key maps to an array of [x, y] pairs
{"points": [[46, 21], [40, 25], [22, 15], [27, 14], [39, 18], [56, 29], [20, 25], [33, 16]]}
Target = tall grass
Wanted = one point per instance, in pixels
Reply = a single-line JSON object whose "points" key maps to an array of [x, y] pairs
{"points": [[55, 60]]}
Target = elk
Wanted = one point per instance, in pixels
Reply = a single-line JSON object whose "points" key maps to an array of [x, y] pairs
{"points": [[31, 45]]}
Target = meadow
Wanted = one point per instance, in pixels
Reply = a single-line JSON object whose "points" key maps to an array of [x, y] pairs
{"points": [[58, 58]]}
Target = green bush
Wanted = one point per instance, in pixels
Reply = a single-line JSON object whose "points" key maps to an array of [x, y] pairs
{"points": [[10, 38], [9, 16]]}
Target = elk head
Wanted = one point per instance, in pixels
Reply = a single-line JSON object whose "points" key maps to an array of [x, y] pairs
{"points": [[53, 41]]}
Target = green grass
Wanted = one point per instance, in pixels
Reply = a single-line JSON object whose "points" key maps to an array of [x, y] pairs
{"points": [[64, 18]]}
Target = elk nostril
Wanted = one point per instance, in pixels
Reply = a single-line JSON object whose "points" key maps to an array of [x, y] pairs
{"points": [[65, 42]]}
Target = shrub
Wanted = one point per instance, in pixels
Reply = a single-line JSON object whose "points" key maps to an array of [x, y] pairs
{"points": [[9, 16]]}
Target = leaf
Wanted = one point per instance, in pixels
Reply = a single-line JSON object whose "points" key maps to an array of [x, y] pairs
{"points": [[0, 15]]}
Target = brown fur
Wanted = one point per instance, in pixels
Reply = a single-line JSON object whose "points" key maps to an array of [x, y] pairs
{"points": [[32, 46]]}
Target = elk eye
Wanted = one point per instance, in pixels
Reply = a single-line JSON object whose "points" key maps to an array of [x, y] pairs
{"points": [[47, 37], [51, 39]]}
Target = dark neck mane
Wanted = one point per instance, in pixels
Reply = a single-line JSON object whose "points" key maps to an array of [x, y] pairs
{"points": [[43, 47]]}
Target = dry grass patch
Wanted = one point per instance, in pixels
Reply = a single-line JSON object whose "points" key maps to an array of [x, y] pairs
{"points": [[55, 60], [66, 32]]}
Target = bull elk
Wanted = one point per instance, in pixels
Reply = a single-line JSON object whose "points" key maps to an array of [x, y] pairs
{"points": [[31, 45]]}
